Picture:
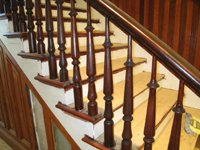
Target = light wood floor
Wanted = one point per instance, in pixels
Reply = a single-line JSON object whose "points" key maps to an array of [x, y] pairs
{"points": [[4, 146]]}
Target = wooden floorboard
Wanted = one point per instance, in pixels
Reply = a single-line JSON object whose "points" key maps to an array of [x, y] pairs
{"points": [[165, 100]]}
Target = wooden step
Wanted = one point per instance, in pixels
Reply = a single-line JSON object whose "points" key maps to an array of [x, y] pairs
{"points": [[165, 101], [187, 141], [54, 7], [99, 73], [5, 16], [68, 19], [44, 57], [67, 34], [139, 83]]}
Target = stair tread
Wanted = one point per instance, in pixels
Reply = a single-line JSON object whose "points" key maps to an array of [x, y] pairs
{"points": [[97, 47], [165, 100], [68, 19], [187, 141], [117, 64], [139, 81]]}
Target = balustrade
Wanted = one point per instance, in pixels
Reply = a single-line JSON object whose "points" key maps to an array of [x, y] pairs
{"points": [[149, 130], [78, 96], [39, 35], [61, 42], [30, 26], [51, 47], [128, 99], [91, 66], [21, 17], [176, 128], [108, 90], [14, 9]]}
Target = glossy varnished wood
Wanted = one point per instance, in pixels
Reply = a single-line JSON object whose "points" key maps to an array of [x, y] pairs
{"points": [[44, 106], [164, 53], [175, 23], [7, 6], [17, 111], [91, 66], [108, 90], [30, 26], [78, 96], [149, 130], [39, 35], [128, 99], [51, 47], [22, 17], [176, 128], [14, 9], [1, 6], [61, 42]]}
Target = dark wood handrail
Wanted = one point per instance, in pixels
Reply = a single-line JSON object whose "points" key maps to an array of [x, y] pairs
{"points": [[154, 45]]}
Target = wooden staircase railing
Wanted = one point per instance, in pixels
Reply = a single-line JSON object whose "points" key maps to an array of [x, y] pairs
{"points": [[187, 74]]}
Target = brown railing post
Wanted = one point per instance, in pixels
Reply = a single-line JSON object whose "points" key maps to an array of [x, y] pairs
{"points": [[78, 96], [1, 6], [91, 66], [21, 17], [7, 6], [30, 26], [61, 42], [176, 128], [108, 90], [39, 35], [14, 9], [128, 99], [149, 130], [51, 47]]}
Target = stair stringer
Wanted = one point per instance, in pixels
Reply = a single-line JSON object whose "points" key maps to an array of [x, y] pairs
{"points": [[76, 127]]}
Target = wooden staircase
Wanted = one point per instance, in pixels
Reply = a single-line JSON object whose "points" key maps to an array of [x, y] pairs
{"points": [[87, 74]]}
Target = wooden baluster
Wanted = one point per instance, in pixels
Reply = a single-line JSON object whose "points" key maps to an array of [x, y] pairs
{"points": [[39, 35], [1, 6], [22, 17], [108, 90], [91, 66], [30, 26], [61, 42], [14, 15], [51, 47], [7, 6], [149, 130], [176, 128], [78, 97], [128, 99]]}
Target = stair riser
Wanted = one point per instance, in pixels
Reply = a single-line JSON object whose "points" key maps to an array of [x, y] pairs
{"points": [[118, 114], [118, 77], [99, 59]]}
